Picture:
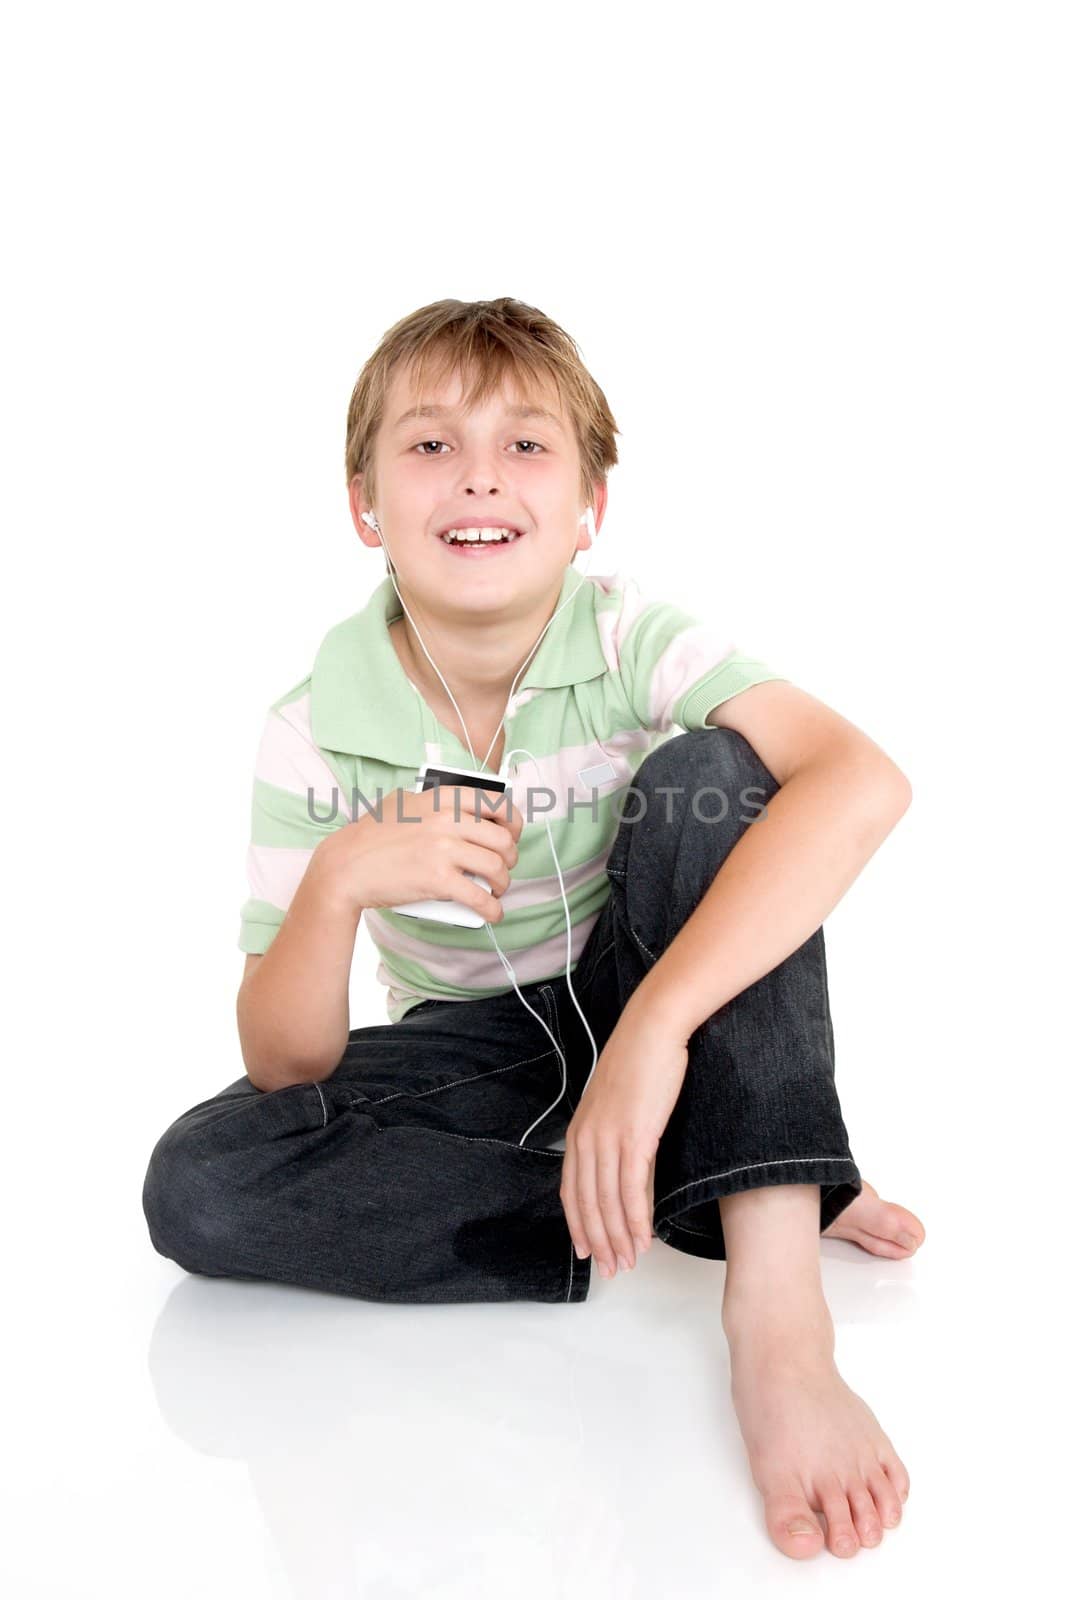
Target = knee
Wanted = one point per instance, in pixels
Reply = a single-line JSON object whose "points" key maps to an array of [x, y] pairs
{"points": [[707, 759], [186, 1217]]}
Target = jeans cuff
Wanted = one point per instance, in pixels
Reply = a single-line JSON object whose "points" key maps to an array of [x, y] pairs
{"points": [[580, 1272], [687, 1217]]}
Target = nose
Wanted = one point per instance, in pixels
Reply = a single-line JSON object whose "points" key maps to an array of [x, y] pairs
{"points": [[481, 471]]}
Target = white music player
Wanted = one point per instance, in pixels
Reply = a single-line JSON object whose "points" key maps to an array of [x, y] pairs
{"points": [[433, 777]]}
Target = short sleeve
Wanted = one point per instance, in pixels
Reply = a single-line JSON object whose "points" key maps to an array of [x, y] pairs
{"points": [[676, 668], [296, 801]]}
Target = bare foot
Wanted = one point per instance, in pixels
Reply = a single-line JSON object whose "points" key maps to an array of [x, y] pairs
{"points": [[813, 1445], [878, 1225]]}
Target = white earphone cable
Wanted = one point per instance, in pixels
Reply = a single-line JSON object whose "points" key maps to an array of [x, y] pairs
{"points": [[589, 518]]}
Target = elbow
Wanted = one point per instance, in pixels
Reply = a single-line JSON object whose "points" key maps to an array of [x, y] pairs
{"points": [[880, 796], [885, 789], [880, 789], [898, 792], [890, 797], [266, 1083], [261, 1077], [269, 1066], [285, 1075]]}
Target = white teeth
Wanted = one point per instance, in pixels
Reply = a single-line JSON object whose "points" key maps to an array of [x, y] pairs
{"points": [[480, 535]]}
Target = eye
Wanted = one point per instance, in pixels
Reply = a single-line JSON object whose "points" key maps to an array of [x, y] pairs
{"points": [[424, 442]]}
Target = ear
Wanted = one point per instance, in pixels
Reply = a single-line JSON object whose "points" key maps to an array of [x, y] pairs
{"points": [[357, 505], [599, 504]]}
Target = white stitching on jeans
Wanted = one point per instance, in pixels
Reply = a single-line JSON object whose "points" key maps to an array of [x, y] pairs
{"points": [[325, 1113], [550, 1006], [403, 1094], [599, 960], [651, 955], [469, 1138], [785, 1161], [546, 989]]}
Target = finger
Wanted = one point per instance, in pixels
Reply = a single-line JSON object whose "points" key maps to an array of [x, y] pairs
{"points": [[475, 858], [487, 829], [494, 845], [468, 893], [568, 1193], [636, 1171], [500, 808], [589, 1204], [510, 816], [609, 1193], [488, 805]]}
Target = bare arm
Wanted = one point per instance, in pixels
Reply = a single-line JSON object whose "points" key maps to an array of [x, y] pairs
{"points": [[840, 796], [292, 1007]]}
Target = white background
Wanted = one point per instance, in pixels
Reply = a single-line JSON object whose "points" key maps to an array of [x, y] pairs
{"points": [[814, 254]]}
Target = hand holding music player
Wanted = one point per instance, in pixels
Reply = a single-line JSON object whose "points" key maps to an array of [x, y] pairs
{"points": [[442, 852]]}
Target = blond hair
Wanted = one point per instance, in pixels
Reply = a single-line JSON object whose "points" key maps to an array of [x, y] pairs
{"points": [[491, 341]]}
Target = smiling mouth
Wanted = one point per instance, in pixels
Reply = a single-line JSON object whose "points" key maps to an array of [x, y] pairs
{"points": [[469, 542]]}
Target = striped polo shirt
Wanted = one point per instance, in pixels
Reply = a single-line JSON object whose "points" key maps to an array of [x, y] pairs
{"points": [[613, 677]]}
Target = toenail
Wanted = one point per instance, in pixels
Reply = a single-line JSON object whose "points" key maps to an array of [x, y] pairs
{"points": [[908, 1240], [894, 1516], [801, 1527], [844, 1546]]}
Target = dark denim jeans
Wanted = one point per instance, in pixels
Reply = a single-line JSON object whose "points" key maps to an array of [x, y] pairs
{"points": [[401, 1178]]}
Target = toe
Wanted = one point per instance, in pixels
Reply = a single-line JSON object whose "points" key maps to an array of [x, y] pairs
{"points": [[892, 1249], [841, 1539], [895, 1471], [906, 1228], [793, 1525], [884, 1496], [865, 1517]]}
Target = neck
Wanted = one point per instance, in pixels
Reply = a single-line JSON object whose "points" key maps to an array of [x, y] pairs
{"points": [[477, 657]]}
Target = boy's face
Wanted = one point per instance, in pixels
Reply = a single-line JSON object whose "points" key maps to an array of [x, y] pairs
{"points": [[490, 464]]}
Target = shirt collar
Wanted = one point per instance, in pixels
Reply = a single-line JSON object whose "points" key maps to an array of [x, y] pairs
{"points": [[364, 703]]}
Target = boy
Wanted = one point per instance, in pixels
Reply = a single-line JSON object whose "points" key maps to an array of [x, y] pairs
{"points": [[390, 1162]]}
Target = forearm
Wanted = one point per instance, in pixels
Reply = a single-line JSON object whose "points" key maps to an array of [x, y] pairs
{"points": [[292, 1009], [777, 885]]}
